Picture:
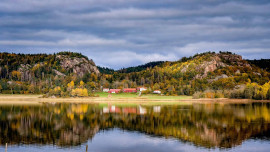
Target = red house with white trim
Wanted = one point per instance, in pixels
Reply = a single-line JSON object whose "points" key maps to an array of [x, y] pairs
{"points": [[114, 91], [129, 90]]}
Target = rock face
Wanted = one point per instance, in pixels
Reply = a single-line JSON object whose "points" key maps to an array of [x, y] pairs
{"points": [[79, 66], [221, 77], [234, 59], [210, 66], [76, 65], [216, 61], [24, 69], [58, 73]]}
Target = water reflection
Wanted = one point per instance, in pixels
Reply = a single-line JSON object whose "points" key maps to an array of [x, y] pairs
{"points": [[204, 125]]}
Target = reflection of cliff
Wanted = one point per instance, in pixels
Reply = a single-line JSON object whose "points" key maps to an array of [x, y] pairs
{"points": [[67, 125], [42, 125]]}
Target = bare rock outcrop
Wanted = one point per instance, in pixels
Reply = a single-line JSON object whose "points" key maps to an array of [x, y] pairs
{"points": [[79, 66], [24, 69], [58, 73], [220, 60], [209, 66], [234, 59]]}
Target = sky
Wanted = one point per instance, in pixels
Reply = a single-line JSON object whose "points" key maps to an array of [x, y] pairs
{"points": [[123, 33]]}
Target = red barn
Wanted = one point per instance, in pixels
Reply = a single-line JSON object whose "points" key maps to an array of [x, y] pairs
{"points": [[114, 91], [129, 90]]}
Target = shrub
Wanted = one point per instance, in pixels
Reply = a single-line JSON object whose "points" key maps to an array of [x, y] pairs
{"points": [[79, 92], [209, 94], [219, 95], [198, 95], [146, 92]]}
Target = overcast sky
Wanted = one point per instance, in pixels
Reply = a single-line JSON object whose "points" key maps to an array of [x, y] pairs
{"points": [[122, 33]]}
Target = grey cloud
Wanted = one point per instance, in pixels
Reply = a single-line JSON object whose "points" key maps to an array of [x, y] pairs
{"points": [[135, 31]]}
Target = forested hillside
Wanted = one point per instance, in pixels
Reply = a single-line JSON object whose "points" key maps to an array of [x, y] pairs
{"points": [[208, 74], [141, 67], [105, 70], [262, 63], [138, 68], [42, 73]]}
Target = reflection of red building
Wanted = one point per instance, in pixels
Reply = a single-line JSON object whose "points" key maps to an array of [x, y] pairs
{"points": [[129, 110], [114, 109], [114, 91], [126, 90], [126, 110]]}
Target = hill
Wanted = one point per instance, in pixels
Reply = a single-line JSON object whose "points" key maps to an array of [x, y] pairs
{"points": [[141, 67], [38, 73], [63, 74], [105, 70], [138, 68], [221, 74]]}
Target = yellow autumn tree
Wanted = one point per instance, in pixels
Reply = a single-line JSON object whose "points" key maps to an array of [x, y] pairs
{"points": [[81, 84], [16, 75], [70, 85], [57, 90], [262, 91], [79, 92], [84, 92]]}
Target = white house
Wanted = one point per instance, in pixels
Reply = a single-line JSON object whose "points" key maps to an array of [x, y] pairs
{"points": [[141, 89], [106, 89], [157, 92]]}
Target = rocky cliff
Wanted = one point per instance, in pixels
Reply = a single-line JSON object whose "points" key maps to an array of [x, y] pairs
{"points": [[79, 66], [218, 61], [38, 66]]}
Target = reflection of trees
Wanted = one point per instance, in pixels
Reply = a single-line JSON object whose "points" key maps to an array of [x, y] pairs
{"points": [[72, 124]]}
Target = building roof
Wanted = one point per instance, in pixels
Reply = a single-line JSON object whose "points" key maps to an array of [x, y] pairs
{"points": [[130, 89]]}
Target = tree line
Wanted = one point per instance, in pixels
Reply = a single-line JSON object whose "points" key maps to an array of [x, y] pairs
{"points": [[35, 74]]}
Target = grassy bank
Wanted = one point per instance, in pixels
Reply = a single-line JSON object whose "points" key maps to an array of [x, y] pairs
{"points": [[123, 99], [119, 99], [143, 96]]}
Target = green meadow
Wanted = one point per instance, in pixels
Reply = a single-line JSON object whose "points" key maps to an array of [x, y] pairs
{"points": [[143, 96]]}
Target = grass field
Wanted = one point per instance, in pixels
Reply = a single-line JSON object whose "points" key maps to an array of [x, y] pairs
{"points": [[122, 99], [148, 96]]}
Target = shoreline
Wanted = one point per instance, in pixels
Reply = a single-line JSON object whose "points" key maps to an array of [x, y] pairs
{"points": [[37, 99]]}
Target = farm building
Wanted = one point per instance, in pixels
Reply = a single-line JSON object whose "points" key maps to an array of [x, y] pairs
{"points": [[157, 92], [141, 89], [106, 89], [114, 91], [129, 90]]}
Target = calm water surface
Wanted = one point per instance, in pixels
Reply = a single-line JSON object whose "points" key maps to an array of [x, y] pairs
{"points": [[108, 128]]}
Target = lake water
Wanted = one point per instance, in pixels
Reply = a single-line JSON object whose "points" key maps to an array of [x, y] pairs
{"points": [[135, 128]]}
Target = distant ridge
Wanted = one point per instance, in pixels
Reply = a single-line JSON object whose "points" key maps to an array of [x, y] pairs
{"points": [[222, 74]]}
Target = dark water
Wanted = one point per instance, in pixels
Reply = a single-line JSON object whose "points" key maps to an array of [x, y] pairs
{"points": [[109, 128]]}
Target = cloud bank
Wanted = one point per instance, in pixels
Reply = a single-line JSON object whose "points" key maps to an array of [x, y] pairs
{"points": [[122, 33]]}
